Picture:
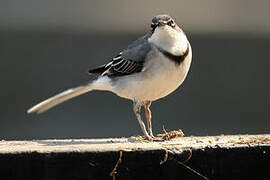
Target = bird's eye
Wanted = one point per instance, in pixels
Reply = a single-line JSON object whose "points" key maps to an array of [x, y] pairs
{"points": [[171, 23]]}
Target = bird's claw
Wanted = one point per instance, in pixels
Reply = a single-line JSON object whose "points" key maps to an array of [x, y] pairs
{"points": [[153, 138]]}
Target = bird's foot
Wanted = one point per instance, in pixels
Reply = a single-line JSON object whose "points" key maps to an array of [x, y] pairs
{"points": [[151, 135], [153, 138], [166, 136]]}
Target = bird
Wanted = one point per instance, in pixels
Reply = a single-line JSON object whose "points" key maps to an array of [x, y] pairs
{"points": [[149, 69]]}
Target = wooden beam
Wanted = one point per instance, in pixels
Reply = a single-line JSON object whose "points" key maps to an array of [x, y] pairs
{"points": [[212, 157]]}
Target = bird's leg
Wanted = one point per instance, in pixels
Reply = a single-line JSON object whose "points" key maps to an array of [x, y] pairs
{"points": [[148, 116], [137, 111]]}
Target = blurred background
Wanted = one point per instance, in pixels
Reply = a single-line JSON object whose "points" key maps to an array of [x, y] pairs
{"points": [[48, 46]]}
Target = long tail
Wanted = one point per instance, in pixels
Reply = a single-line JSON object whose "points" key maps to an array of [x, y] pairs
{"points": [[59, 98]]}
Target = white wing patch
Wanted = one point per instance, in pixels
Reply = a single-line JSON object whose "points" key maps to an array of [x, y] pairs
{"points": [[121, 66]]}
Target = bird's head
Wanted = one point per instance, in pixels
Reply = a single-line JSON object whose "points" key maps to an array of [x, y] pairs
{"points": [[162, 20], [167, 35]]}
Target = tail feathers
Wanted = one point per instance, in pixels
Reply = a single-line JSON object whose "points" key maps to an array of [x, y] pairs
{"points": [[59, 98]]}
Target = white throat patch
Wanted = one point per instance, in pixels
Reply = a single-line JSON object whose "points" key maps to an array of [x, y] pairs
{"points": [[169, 40]]}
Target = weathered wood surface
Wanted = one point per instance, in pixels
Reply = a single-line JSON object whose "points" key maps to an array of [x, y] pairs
{"points": [[214, 157]]}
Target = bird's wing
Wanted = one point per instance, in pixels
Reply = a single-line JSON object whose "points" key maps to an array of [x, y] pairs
{"points": [[127, 62]]}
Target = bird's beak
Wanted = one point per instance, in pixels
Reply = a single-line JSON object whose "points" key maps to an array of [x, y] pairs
{"points": [[161, 23], [156, 24]]}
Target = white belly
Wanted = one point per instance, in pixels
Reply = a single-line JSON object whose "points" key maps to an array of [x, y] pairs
{"points": [[159, 78]]}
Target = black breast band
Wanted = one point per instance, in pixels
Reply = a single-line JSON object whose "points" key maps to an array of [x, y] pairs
{"points": [[176, 59]]}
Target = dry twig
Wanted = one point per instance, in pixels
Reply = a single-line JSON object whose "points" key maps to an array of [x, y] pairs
{"points": [[165, 157], [170, 135], [114, 171]]}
